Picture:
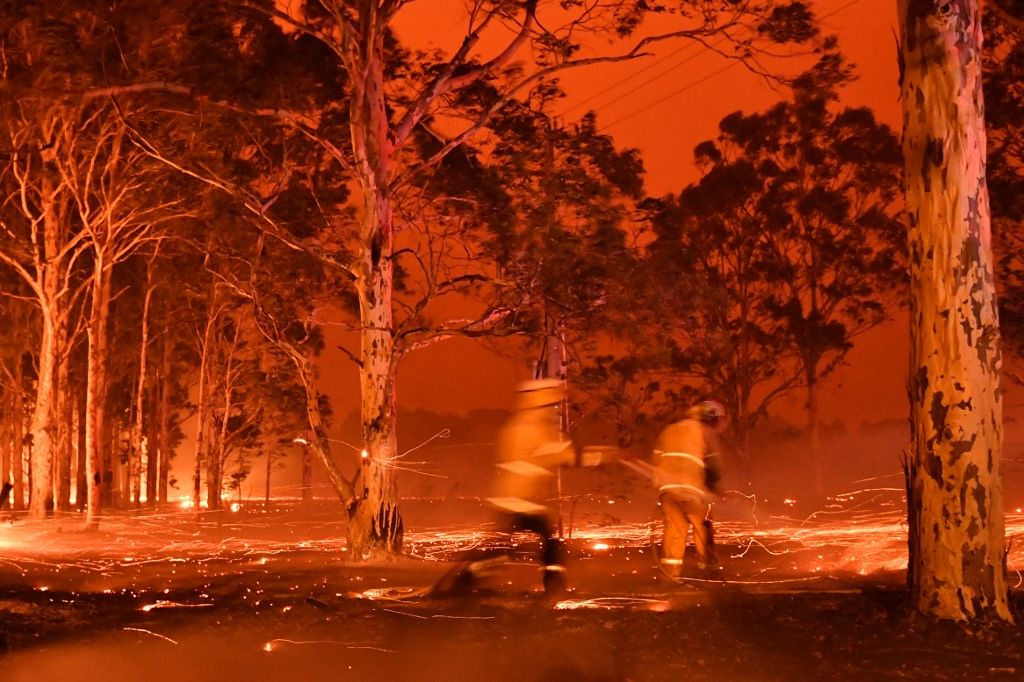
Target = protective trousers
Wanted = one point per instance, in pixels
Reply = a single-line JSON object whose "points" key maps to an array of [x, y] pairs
{"points": [[553, 552], [680, 513]]}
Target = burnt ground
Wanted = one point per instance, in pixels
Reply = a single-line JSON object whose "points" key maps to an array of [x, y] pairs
{"points": [[174, 598]]}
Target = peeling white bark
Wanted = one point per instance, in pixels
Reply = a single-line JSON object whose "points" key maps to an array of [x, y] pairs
{"points": [[957, 548]]}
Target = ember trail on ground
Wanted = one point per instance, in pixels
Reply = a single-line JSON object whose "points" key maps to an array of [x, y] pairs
{"points": [[272, 594], [858, 535]]}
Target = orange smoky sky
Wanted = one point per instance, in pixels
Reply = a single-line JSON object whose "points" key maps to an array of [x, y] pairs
{"points": [[663, 105]]}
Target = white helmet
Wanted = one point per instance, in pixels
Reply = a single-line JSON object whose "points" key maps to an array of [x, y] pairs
{"points": [[540, 393]]}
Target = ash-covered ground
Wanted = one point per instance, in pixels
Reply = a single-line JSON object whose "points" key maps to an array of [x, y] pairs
{"points": [[270, 594]]}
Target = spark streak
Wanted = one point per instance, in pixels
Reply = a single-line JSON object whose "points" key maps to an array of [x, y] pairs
{"points": [[276, 643], [149, 632]]}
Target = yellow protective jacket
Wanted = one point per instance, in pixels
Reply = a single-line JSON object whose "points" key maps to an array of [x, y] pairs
{"points": [[528, 455], [688, 458]]}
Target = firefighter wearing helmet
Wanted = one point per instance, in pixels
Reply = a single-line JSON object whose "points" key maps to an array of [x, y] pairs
{"points": [[688, 457], [530, 449]]}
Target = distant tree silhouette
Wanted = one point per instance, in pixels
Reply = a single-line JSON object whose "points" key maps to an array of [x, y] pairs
{"points": [[763, 272]]}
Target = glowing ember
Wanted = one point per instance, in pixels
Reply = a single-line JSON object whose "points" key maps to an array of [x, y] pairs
{"points": [[613, 603], [170, 605], [151, 633]]}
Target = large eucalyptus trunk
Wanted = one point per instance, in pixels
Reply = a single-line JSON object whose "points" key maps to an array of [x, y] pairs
{"points": [[41, 429], [95, 392], [375, 523], [956, 533]]}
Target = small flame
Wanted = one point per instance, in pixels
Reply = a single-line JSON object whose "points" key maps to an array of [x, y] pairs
{"points": [[268, 647], [365, 454], [235, 506], [600, 546]]}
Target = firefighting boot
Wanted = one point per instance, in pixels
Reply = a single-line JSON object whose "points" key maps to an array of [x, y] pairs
{"points": [[671, 568], [555, 584]]}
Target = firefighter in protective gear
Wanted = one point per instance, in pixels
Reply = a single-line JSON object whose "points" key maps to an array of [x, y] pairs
{"points": [[688, 457], [529, 451]]}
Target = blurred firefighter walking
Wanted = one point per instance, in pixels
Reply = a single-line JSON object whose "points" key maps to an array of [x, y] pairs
{"points": [[530, 448]]}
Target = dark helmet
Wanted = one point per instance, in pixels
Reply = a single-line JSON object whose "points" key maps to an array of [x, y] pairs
{"points": [[708, 411]]}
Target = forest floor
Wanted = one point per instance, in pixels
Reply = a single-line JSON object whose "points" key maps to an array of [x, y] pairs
{"points": [[259, 595]]}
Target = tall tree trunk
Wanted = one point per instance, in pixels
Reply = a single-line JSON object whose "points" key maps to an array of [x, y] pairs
{"points": [[217, 457], [150, 453], [62, 424], [956, 535], [95, 392], [18, 445], [201, 410], [375, 522], [164, 435], [135, 451], [82, 477], [120, 456], [41, 430], [814, 429]]}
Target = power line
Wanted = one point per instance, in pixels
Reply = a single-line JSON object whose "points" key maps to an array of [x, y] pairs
{"points": [[633, 75], [692, 84], [659, 75], [669, 96]]}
